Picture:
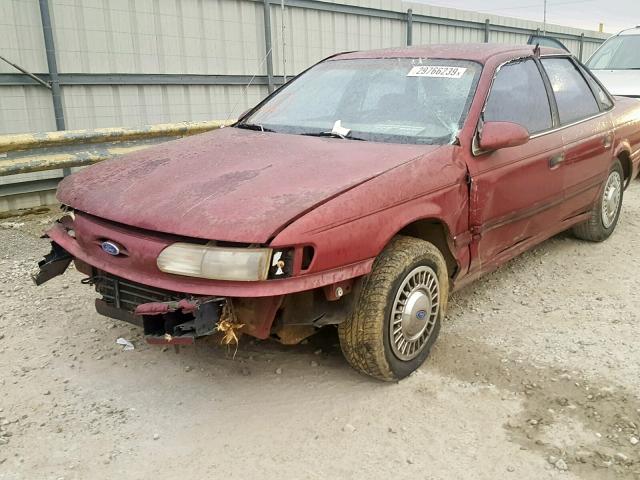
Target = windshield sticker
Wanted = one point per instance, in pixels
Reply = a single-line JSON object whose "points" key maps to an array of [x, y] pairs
{"points": [[436, 71]]}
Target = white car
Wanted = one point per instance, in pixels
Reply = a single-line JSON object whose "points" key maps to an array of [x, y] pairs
{"points": [[616, 63]]}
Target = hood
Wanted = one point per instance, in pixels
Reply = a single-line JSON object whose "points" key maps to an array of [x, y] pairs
{"points": [[230, 184], [620, 82]]}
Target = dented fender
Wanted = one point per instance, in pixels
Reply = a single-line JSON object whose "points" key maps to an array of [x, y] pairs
{"points": [[434, 188]]}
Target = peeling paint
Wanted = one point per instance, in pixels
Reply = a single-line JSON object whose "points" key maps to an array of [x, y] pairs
{"points": [[230, 184]]}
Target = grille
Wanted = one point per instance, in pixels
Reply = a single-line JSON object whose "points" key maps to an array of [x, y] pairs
{"points": [[126, 294]]}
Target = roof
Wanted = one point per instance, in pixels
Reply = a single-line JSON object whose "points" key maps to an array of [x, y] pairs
{"points": [[478, 52]]}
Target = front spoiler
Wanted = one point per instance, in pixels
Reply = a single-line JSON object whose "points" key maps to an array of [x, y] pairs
{"points": [[54, 263]]}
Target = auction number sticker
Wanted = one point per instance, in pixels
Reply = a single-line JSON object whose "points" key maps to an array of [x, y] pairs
{"points": [[436, 71]]}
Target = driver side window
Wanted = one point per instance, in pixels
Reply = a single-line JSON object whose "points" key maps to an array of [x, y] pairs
{"points": [[518, 95]]}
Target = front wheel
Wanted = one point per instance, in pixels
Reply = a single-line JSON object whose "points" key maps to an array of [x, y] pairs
{"points": [[398, 313], [606, 211]]}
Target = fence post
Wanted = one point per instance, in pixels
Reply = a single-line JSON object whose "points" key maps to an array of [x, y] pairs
{"points": [[268, 45], [409, 27], [581, 46], [52, 64], [486, 31]]}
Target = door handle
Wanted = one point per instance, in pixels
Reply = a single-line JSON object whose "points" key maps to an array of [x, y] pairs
{"points": [[556, 160]]}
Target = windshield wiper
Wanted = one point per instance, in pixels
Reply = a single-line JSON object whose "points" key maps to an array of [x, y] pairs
{"points": [[331, 135], [254, 126]]}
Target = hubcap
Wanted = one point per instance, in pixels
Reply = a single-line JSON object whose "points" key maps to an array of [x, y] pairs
{"points": [[414, 313], [611, 199]]}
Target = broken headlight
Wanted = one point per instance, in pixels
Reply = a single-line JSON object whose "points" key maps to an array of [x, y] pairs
{"points": [[281, 263], [216, 263]]}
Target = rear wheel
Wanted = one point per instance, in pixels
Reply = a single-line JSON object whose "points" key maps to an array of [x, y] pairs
{"points": [[397, 316], [606, 211]]}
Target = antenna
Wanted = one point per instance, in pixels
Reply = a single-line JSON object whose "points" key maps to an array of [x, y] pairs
{"points": [[284, 51], [244, 91], [536, 50]]}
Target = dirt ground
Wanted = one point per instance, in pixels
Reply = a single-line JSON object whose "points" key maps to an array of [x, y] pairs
{"points": [[535, 376]]}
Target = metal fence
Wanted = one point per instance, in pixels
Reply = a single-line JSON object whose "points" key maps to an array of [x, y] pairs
{"points": [[133, 62]]}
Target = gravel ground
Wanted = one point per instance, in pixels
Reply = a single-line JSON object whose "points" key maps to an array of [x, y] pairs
{"points": [[535, 376]]}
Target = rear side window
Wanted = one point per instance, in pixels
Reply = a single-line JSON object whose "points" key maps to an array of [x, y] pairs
{"points": [[518, 95], [573, 96]]}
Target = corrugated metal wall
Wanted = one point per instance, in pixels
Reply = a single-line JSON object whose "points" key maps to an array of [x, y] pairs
{"points": [[132, 62]]}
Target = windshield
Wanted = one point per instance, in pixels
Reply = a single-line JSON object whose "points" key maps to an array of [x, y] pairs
{"points": [[398, 100], [617, 53]]}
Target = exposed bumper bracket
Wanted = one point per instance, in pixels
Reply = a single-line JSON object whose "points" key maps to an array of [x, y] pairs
{"points": [[172, 327], [54, 263]]}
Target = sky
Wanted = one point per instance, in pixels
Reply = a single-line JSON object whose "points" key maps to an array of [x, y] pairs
{"points": [[616, 15]]}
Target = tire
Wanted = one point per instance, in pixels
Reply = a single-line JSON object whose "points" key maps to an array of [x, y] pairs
{"points": [[366, 337], [604, 215]]}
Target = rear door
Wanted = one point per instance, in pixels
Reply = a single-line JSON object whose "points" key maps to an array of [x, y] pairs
{"points": [[586, 130], [516, 192]]}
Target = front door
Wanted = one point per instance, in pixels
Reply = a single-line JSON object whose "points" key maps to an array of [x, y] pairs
{"points": [[516, 193]]}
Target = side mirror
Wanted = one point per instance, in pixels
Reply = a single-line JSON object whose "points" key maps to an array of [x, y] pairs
{"points": [[496, 135]]}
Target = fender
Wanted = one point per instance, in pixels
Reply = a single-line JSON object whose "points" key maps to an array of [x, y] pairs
{"points": [[434, 188], [622, 147], [622, 150]]}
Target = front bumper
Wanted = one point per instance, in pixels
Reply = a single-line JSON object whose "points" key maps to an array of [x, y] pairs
{"points": [[182, 308], [167, 317]]}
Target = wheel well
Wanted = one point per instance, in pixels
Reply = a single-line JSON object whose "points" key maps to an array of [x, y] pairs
{"points": [[435, 232], [627, 167]]}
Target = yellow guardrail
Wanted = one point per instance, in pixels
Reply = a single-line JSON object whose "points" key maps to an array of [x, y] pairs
{"points": [[37, 152]]}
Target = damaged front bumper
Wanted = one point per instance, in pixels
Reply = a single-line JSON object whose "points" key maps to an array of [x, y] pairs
{"points": [[53, 264], [177, 309], [168, 317]]}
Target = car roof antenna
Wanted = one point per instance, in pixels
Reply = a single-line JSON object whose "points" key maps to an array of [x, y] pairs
{"points": [[536, 50], [244, 91]]}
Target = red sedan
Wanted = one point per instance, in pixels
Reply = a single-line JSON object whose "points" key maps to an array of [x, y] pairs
{"points": [[358, 195]]}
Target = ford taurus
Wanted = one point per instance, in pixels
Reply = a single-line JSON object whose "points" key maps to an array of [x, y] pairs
{"points": [[358, 195]]}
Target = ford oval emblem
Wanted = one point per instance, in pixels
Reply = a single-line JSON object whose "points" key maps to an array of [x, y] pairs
{"points": [[110, 248]]}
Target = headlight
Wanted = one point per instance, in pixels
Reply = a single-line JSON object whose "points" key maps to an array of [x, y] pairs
{"points": [[219, 263]]}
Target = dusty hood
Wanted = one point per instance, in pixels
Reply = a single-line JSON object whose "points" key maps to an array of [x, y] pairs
{"points": [[229, 184], [620, 82]]}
